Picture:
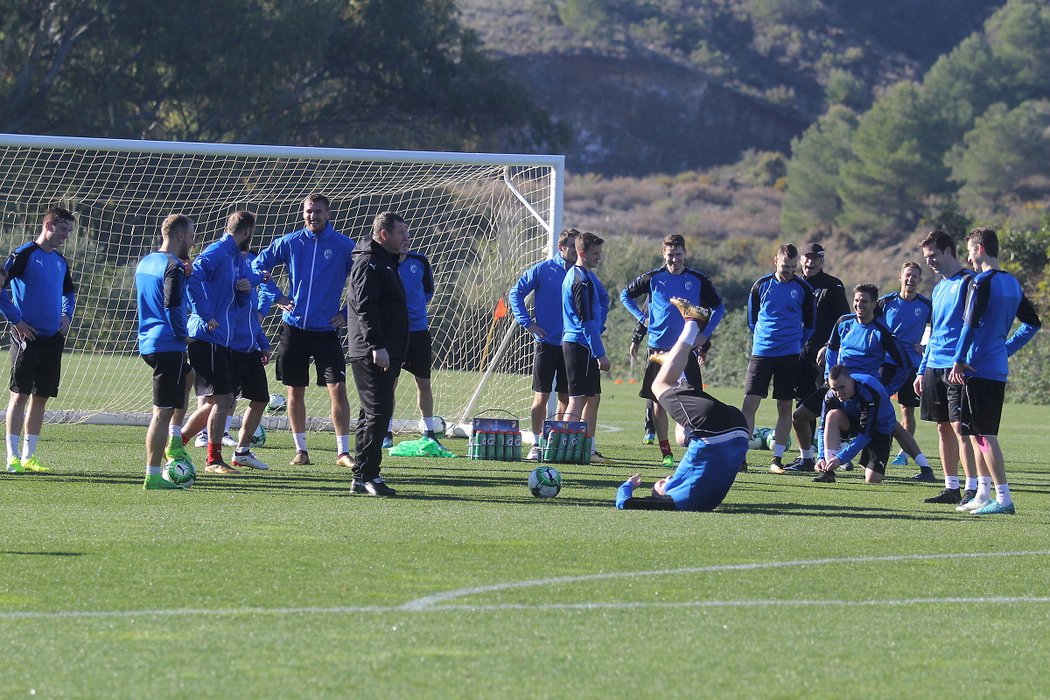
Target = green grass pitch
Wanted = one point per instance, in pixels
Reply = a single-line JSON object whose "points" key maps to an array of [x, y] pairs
{"points": [[280, 584]]}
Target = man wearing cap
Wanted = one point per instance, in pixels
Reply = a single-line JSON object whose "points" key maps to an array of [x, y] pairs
{"points": [[830, 294]]}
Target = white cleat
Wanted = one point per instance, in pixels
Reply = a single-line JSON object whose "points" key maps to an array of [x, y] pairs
{"points": [[249, 460], [972, 505], [534, 454]]}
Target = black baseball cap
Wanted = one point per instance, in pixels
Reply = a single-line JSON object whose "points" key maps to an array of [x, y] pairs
{"points": [[813, 249]]}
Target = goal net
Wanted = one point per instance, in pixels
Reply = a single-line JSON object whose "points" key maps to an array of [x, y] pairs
{"points": [[479, 218]]}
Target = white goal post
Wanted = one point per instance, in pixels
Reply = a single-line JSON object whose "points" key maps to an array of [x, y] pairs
{"points": [[479, 218]]}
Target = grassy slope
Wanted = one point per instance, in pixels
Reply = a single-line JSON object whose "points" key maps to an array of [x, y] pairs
{"points": [[88, 539]]}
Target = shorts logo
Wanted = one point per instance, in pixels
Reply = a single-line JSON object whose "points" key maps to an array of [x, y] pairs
{"points": [[328, 253]]}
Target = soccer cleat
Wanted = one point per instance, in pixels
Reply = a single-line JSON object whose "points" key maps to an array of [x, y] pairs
{"points": [[950, 496], [925, 474], [156, 482], [14, 465], [378, 487], [388, 441], [691, 312], [994, 508], [177, 451], [598, 458], [972, 505], [776, 465], [825, 478], [668, 461], [802, 464], [228, 440], [847, 467], [220, 468], [534, 454], [649, 439], [301, 457], [249, 460], [357, 486], [201, 440], [901, 460], [33, 465], [968, 495], [345, 460]]}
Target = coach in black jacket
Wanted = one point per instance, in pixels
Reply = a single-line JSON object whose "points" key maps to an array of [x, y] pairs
{"points": [[378, 336]]}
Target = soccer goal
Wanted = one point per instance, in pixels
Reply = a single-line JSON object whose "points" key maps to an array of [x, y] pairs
{"points": [[479, 218]]}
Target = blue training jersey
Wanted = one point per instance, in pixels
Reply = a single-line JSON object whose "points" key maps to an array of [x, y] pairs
{"points": [[908, 320], [41, 289], [868, 348], [664, 321], [994, 300], [781, 315], [248, 333], [211, 291], [871, 410], [419, 289], [584, 304], [317, 266], [160, 291], [544, 280], [946, 321]]}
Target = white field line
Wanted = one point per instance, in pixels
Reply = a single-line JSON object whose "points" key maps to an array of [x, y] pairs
{"points": [[430, 603]]}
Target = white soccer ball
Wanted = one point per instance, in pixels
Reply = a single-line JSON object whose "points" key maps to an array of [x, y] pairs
{"points": [[277, 404], [180, 472], [544, 482], [439, 425], [259, 436]]}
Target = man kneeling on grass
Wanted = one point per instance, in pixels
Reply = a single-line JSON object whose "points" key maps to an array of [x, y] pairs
{"points": [[714, 433], [857, 409]]}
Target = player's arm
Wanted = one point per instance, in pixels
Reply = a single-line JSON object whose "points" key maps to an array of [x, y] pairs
{"points": [[1030, 325], [69, 301], [754, 304], [589, 315], [428, 280], [516, 296], [711, 299], [364, 298], [196, 290], [625, 500], [630, 294], [174, 313]]}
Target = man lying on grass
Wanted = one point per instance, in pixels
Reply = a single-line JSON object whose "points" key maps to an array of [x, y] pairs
{"points": [[714, 433]]}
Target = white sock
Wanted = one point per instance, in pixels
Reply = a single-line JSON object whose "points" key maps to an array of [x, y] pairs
{"points": [[153, 471], [300, 441], [29, 448], [971, 483], [428, 423], [175, 430], [689, 333], [984, 488], [951, 482], [1002, 494], [229, 422], [779, 450], [390, 426], [809, 453], [12, 447], [921, 461], [342, 443]]}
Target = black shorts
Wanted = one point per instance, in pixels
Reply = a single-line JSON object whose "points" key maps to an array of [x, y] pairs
{"points": [[548, 369], [214, 367], [810, 378], [169, 378], [692, 374], [906, 395], [782, 370], [419, 357], [249, 376], [982, 406], [36, 365], [581, 367], [295, 349], [877, 454], [814, 403], [940, 402]]}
